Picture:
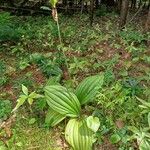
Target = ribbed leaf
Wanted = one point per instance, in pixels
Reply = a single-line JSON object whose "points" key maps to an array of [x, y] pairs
{"points": [[88, 88], [78, 135], [53, 118], [62, 101]]}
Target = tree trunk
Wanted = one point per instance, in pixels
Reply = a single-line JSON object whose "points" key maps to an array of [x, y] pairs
{"points": [[147, 26], [82, 6], [140, 3], [133, 4], [147, 23], [124, 13], [119, 2], [91, 11]]}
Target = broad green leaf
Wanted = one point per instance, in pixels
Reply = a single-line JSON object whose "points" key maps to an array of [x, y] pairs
{"points": [[24, 89], [115, 138], [62, 101], [35, 95], [78, 135], [88, 88], [30, 101], [20, 101], [93, 123], [53, 118]]}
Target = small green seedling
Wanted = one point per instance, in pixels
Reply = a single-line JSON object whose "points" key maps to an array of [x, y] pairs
{"points": [[26, 97]]}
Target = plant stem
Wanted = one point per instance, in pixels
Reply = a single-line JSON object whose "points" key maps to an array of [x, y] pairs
{"points": [[61, 49], [58, 27]]}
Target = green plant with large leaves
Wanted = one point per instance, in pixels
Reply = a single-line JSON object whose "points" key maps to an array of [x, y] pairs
{"points": [[53, 117], [88, 88], [78, 135], [80, 130], [62, 101]]}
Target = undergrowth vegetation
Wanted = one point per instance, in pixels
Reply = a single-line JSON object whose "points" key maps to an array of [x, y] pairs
{"points": [[113, 110]]}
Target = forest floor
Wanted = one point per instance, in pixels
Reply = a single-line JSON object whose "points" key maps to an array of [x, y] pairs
{"points": [[123, 56]]}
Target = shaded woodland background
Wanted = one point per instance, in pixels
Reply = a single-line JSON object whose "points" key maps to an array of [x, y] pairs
{"points": [[97, 36], [89, 6]]}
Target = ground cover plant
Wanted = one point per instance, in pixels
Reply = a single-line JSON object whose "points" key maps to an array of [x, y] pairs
{"points": [[99, 100]]}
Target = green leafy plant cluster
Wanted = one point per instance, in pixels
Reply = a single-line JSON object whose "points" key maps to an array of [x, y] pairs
{"points": [[89, 51], [50, 67], [7, 31], [123, 114], [80, 131], [120, 98], [142, 134], [132, 36], [26, 97]]}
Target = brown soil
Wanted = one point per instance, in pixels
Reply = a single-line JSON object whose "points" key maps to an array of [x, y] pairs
{"points": [[106, 145]]}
